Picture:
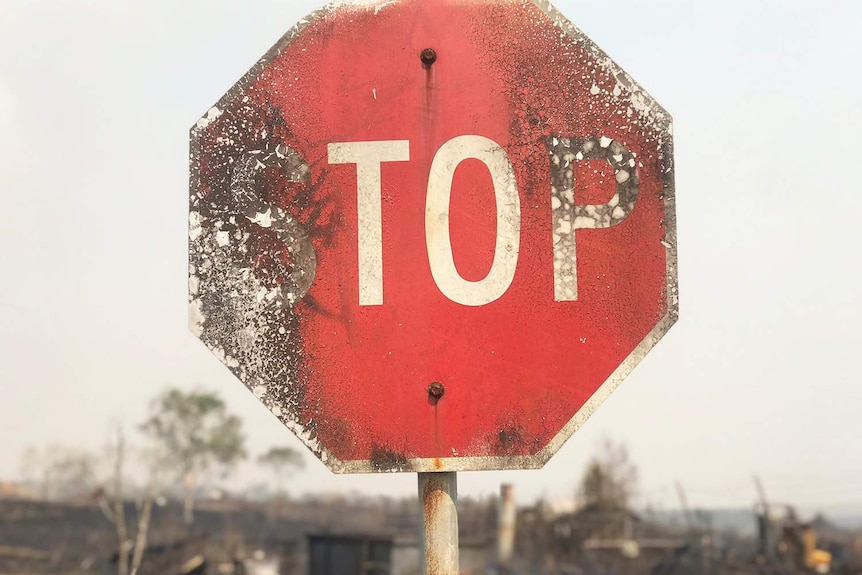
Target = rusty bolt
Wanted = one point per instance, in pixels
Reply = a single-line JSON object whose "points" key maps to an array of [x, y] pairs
{"points": [[428, 56], [436, 390]]}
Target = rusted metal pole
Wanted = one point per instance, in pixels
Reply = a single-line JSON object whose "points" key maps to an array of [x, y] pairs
{"points": [[506, 517], [438, 493]]}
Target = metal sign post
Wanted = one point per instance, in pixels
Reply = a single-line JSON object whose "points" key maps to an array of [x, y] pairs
{"points": [[438, 493]]}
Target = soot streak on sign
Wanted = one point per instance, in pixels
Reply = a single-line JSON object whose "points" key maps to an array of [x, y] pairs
{"points": [[254, 217], [384, 459]]}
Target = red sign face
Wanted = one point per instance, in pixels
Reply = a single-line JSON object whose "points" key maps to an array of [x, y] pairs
{"points": [[433, 234]]}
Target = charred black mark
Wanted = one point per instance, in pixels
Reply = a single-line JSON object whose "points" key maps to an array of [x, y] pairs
{"points": [[564, 152], [510, 436], [294, 262], [384, 459], [435, 392], [428, 57], [255, 208], [251, 169], [337, 434], [513, 439]]}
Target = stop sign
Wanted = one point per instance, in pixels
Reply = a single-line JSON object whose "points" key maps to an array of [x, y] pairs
{"points": [[433, 234]]}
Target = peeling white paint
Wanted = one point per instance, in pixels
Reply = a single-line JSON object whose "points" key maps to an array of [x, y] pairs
{"points": [[263, 219], [196, 317], [380, 7], [211, 116], [194, 225]]}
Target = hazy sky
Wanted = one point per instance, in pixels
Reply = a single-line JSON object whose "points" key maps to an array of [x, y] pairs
{"points": [[759, 376]]}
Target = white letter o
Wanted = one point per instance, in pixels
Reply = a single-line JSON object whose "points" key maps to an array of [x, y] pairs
{"points": [[437, 237]]}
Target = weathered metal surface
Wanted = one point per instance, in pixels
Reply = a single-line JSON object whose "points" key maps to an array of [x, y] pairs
{"points": [[507, 515], [438, 494], [368, 219]]}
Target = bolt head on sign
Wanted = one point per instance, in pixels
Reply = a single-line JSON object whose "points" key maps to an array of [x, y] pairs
{"points": [[433, 235]]}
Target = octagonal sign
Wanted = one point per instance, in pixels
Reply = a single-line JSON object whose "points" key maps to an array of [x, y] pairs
{"points": [[432, 234]]}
